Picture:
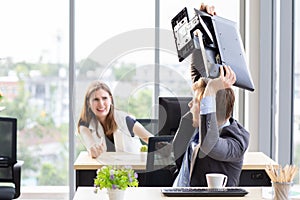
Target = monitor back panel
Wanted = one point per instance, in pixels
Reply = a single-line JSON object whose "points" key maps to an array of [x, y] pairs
{"points": [[232, 51]]}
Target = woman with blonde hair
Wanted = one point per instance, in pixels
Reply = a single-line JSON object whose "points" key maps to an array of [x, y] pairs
{"points": [[104, 128]]}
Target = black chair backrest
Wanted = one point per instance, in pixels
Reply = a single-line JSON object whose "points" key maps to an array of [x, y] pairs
{"points": [[8, 147], [150, 124]]}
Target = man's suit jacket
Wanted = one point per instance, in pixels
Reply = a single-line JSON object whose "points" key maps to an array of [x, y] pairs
{"points": [[218, 152], [182, 137]]}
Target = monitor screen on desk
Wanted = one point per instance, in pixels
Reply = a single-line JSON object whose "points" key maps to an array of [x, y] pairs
{"points": [[160, 162], [171, 109], [160, 152]]}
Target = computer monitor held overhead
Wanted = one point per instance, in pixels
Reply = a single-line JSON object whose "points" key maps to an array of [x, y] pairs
{"points": [[214, 41]]}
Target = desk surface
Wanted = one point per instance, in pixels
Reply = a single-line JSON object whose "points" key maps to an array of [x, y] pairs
{"points": [[150, 193], [136, 161], [252, 160], [257, 160]]}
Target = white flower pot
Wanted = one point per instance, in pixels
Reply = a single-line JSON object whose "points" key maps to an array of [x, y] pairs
{"points": [[115, 194], [143, 156]]}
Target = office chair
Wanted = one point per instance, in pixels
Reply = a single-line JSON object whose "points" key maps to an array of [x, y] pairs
{"points": [[160, 167], [10, 168]]}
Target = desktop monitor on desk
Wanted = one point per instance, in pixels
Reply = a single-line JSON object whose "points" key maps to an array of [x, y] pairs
{"points": [[171, 109], [160, 165]]}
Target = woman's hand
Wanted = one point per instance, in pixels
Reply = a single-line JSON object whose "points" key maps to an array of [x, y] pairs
{"points": [[96, 150]]}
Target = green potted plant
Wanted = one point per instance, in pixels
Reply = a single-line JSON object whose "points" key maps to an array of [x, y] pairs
{"points": [[144, 148], [144, 152], [115, 180]]}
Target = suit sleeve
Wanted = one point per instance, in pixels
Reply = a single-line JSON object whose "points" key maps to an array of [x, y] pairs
{"points": [[230, 147]]}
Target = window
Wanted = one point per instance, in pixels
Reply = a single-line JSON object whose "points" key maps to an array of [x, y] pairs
{"points": [[296, 123], [115, 44], [33, 66]]}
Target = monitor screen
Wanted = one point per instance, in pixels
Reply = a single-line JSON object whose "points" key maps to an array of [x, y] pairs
{"points": [[160, 152], [160, 166], [171, 109]]}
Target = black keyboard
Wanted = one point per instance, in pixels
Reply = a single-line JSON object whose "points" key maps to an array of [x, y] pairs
{"points": [[204, 192]]}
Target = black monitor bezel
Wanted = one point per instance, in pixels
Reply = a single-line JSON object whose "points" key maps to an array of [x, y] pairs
{"points": [[150, 166]]}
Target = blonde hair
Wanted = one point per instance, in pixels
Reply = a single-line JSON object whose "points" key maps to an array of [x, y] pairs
{"points": [[86, 116]]}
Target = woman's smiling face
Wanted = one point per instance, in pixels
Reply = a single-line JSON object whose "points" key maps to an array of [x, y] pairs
{"points": [[100, 102]]}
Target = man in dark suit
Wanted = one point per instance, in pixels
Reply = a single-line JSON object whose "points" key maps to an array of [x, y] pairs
{"points": [[219, 142]]}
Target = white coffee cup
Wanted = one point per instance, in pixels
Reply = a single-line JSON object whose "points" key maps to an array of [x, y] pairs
{"points": [[215, 180]]}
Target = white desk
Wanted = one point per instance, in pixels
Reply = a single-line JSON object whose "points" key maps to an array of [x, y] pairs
{"points": [[257, 161], [136, 161], [86, 167], [252, 160], [253, 173], [154, 193]]}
